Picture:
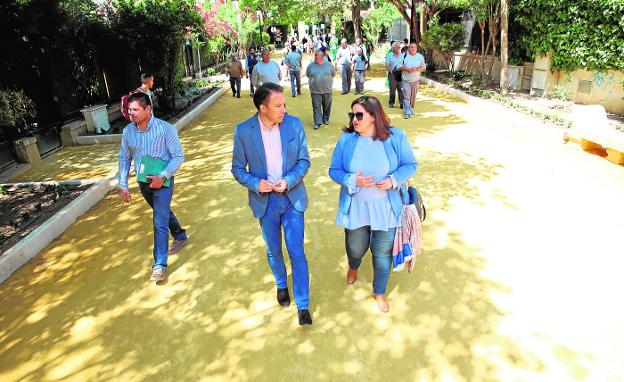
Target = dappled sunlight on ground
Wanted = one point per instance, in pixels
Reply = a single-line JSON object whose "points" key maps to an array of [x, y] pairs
{"points": [[76, 162], [84, 310]]}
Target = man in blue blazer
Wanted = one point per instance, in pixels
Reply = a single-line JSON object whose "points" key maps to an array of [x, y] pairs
{"points": [[270, 159]]}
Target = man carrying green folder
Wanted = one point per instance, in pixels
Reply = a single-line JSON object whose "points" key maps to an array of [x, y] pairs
{"points": [[155, 148]]}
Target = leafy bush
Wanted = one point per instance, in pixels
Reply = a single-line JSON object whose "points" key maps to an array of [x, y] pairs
{"points": [[138, 22], [15, 109], [562, 93], [447, 38], [378, 20], [580, 34]]}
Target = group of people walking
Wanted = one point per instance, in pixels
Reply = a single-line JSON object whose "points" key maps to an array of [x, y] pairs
{"points": [[404, 70], [371, 162]]}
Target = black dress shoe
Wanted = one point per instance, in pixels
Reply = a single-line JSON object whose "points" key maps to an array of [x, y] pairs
{"points": [[283, 298], [304, 317]]}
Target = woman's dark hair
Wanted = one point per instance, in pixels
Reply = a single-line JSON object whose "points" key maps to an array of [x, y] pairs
{"points": [[262, 93], [373, 107]]}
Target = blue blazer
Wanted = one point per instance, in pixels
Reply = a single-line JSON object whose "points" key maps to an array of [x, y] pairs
{"points": [[403, 164], [249, 162]]}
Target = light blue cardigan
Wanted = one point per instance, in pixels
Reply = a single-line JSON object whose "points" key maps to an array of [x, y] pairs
{"points": [[403, 164]]}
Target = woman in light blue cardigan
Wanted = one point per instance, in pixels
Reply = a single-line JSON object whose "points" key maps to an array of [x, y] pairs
{"points": [[372, 161]]}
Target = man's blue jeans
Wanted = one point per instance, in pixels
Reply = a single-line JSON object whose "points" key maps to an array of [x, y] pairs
{"points": [[295, 82], [280, 215], [358, 241], [164, 220]]}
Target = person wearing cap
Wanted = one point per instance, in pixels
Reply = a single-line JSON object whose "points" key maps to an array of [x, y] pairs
{"points": [[394, 58]]}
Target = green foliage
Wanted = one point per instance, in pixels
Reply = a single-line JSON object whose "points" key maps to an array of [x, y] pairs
{"points": [[15, 109], [139, 22], [562, 92], [378, 20], [447, 38], [581, 34]]}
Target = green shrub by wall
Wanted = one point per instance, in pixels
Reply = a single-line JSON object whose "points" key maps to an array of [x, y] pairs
{"points": [[581, 34]]}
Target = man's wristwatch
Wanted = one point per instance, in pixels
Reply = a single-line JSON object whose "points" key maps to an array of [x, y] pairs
{"points": [[164, 178]]}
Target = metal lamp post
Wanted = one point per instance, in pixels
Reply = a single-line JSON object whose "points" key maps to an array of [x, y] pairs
{"points": [[259, 15]]}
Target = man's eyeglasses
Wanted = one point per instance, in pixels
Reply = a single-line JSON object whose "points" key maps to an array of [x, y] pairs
{"points": [[359, 115]]}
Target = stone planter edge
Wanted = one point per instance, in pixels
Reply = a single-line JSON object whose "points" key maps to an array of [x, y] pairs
{"points": [[37, 240]]}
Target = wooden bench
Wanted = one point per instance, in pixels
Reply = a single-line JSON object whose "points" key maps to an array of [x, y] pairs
{"points": [[590, 128]]}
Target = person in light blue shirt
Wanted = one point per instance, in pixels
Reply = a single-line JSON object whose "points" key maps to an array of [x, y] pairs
{"points": [[293, 62], [371, 162], [359, 68], [152, 137], [394, 59], [412, 65]]}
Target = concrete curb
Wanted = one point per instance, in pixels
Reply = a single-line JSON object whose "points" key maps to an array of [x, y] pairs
{"points": [[449, 90], [38, 239], [74, 182], [189, 117], [486, 105], [179, 125]]}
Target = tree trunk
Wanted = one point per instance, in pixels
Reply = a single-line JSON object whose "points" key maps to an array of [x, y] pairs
{"points": [[493, 25], [504, 47], [414, 27], [355, 16], [484, 51]]}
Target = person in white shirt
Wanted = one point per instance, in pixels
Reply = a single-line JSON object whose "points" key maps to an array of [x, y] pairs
{"points": [[412, 65], [343, 63]]}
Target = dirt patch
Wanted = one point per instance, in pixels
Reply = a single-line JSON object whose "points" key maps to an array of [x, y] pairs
{"points": [[23, 209]]}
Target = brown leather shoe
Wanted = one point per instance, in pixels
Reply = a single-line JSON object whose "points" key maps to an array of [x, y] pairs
{"points": [[351, 276], [177, 245], [382, 303]]}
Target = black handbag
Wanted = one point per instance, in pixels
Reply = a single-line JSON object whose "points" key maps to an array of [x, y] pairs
{"points": [[414, 197], [397, 74]]}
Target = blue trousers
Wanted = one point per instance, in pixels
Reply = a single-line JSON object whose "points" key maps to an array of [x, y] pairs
{"points": [[345, 73], [164, 220], [295, 82], [281, 215], [357, 242]]}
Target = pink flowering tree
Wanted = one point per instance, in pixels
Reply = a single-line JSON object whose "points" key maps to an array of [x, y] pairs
{"points": [[219, 36]]}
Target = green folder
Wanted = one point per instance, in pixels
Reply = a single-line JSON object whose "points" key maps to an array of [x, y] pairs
{"points": [[151, 166]]}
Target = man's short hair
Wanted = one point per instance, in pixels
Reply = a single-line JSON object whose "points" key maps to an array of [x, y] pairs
{"points": [[140, 97], [263, 93], [396, 44], [265, 50], [293, 48], [146, 76]]}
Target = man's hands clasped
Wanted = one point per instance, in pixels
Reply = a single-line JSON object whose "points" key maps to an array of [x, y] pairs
{"points": [[266, 186]]}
